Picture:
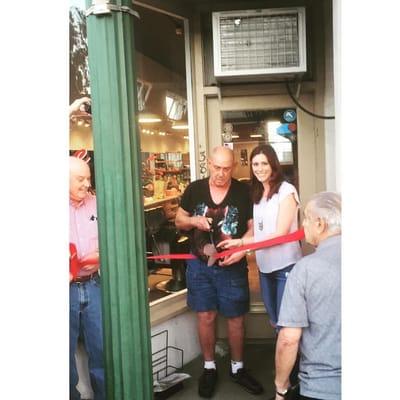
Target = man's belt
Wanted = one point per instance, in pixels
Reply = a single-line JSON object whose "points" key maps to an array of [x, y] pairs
{"points": [[85, 278]]}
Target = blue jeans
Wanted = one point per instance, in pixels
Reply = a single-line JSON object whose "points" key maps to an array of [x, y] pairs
{"points": [[272, 287], [85, 320]]}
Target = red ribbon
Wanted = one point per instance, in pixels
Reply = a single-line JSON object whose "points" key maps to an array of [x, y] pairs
{"points": [[73, 261], [290, 237], [74, 264]]}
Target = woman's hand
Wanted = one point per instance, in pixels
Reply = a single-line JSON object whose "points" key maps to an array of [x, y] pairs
{"points": [[233, 258], [230, 243]]}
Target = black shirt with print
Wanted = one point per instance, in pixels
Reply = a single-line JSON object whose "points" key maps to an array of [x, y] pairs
{"points": [[229, 218]]}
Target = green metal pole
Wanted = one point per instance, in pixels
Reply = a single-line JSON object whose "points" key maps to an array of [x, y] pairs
{"points": [[127, 346]]}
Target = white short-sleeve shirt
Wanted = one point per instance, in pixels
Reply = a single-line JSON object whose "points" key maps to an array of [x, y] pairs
{"points": [[265, 218]]}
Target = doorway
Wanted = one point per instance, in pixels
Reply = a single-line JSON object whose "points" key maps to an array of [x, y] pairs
{"points": [[244, 130]]}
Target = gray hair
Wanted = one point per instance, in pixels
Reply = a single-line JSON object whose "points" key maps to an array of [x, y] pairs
{"points": [[328, 206]]}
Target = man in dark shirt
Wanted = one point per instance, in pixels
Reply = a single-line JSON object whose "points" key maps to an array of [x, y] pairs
{"points": [[214, 209]]}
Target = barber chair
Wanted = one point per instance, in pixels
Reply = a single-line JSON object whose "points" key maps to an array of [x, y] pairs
{"points": [[162, 237]]}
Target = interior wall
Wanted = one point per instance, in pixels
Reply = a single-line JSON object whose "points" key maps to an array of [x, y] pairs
{"points": [[81, 138], [161, 144], [243, 171]]}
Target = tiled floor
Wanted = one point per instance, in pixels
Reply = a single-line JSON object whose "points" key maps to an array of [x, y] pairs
{"points": [[259, 359]]}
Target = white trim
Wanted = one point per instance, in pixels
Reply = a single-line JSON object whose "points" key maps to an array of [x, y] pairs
{"points": [[159, 10], [189, 91], [167, 307]]}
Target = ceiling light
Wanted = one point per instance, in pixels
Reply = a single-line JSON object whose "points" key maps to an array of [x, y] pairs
{"points": [[235, 136], [186, 137], [148, 118], [257, 135], [180, 125]]}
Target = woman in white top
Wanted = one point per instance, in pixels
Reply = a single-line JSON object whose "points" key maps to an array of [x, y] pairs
{"points": [[275, 213]]}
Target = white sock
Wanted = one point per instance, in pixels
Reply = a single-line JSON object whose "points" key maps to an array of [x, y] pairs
{"points": [[210, 364], [235, 365]]}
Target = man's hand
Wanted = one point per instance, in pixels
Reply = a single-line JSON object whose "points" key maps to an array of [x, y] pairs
{"points": [[201, 223], [287, 347], [233, 258], [281, 389], [77, 108], [91, 262]]}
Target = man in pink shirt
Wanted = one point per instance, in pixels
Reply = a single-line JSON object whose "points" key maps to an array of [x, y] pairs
{"points": [[85, 300]]}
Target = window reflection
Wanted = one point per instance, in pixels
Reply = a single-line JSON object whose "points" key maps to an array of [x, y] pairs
{"points": [[163, 124], [161, 71]]}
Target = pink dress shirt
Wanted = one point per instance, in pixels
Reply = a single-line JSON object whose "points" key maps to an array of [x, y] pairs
{"points": [[83, 227]]}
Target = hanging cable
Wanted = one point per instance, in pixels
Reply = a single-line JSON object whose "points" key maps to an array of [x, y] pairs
{"points": [[302, 108]]}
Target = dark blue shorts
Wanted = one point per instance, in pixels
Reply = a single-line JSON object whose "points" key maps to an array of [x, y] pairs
{"points": [[222, 289]]}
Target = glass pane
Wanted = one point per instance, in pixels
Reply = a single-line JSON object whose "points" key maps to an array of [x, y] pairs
{"points": [[163, 124]]}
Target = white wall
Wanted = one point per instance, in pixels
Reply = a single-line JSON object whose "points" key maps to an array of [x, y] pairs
{"points": [[182, 333], [329, 107]]}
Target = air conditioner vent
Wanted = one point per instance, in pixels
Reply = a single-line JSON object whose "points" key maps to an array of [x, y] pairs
{"points": [[259, 42]]}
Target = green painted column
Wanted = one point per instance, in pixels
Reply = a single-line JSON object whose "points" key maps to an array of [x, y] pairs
{"points": [[120, 211]]}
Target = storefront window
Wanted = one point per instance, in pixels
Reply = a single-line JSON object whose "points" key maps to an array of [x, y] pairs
{"points": [[163, 124], [162, 119], [164, 135]]}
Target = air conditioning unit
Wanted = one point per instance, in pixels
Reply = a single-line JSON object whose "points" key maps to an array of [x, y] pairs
{"points": [[253, 44]]}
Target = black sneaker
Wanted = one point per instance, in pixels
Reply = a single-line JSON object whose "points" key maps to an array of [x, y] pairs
{"points": [[249, 384], [207, 382]]}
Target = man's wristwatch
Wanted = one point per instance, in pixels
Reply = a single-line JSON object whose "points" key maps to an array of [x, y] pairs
{"points": [[284, 393]]}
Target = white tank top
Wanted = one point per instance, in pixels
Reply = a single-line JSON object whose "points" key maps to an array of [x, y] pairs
{"points": [[265, 218]]}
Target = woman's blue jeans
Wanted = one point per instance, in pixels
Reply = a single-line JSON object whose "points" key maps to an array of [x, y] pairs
{"points": [[272, 287], [85, 320]]}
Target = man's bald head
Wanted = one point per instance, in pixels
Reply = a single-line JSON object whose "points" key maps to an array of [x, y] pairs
{"points": [[222, 153], [76, 164], [79, 179], [221, 165]]}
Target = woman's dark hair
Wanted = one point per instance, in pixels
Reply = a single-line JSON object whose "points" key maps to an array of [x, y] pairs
{"points": [[257, 188]]}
